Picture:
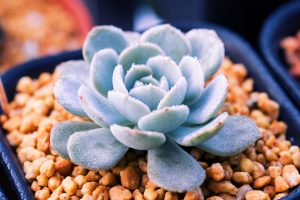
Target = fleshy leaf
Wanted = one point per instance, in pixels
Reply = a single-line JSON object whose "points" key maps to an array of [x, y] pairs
{"points": [[65, 92], [95, 149], [208, 47], [98, 108], [170, 39], [138, 84], [137, 139], [175, 95], [164, 66], [164, 120], [135, 73], [133, 37], [101, 71], [173, 169], [138, 54], [61, 132], [192, 70], [233, 137], [163, 84], [149, 80], [102, 37], [118, 80], [211, 101], [194, 135], [78, 68], [148, 94], [131, 108]]}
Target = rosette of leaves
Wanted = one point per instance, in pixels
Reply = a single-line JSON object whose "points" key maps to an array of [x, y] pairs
{"points": [[147, 92]]}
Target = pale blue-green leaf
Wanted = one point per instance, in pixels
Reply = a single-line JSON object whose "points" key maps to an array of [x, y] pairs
{"points": [[211, 101], [236, 135], [194, 135], [192, 70], [164, 66], [61, 132], [138, 84], [170, 39], [149, 80], [131, 108], [175, 95], [133, 37], [163, 83], [208, 47], [102, 37], [98, 108], [137, 139], [164, 120], [138, 54], [78, 68], [148, 94], [95, 149], [65, 92], [101, 71], [173, 169], [135, 73], [118, 80]]}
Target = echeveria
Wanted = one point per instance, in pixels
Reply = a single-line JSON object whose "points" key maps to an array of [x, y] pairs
{"points": [[147, 93]]}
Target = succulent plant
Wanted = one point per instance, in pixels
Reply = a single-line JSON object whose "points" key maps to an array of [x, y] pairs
{"points": [[147, 92]]}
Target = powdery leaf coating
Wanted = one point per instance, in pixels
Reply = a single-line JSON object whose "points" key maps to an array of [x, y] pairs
{"points": [[194, 135], [163, 83], [135, 73], [61, 132], [101, 71], [138, 54], [137, 139], [148, 94], [164, 120], [235, 136], [210, 102], [208, 47], [133, 37], [170, 39], [192, 70], [173, 169], [175, 95], [98, 108], [65, 92], [131, 108], [164, 66], [102, 37], [118, 80], [93, 149], [149, 80]]}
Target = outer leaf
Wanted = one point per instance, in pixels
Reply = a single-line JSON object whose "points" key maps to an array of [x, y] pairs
{"points": [[208, 47], [235, 136], [135, 73], [65, 92], [102, 67], [164, 120], [78, 68], [171, 168], [61, 132], [118, 80], [164, 83], [170, 39], [102, 37], [164, 66], [175, 95], [137, 139], [95, 149], [148, 94], [192, 70], [131, 108], [98, 108], [138, 54], [194, 135], [149, 80], [210, 102]]}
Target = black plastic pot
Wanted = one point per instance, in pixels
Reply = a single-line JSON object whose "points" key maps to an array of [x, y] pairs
{"points": [[236, 48], [283, 22]]}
